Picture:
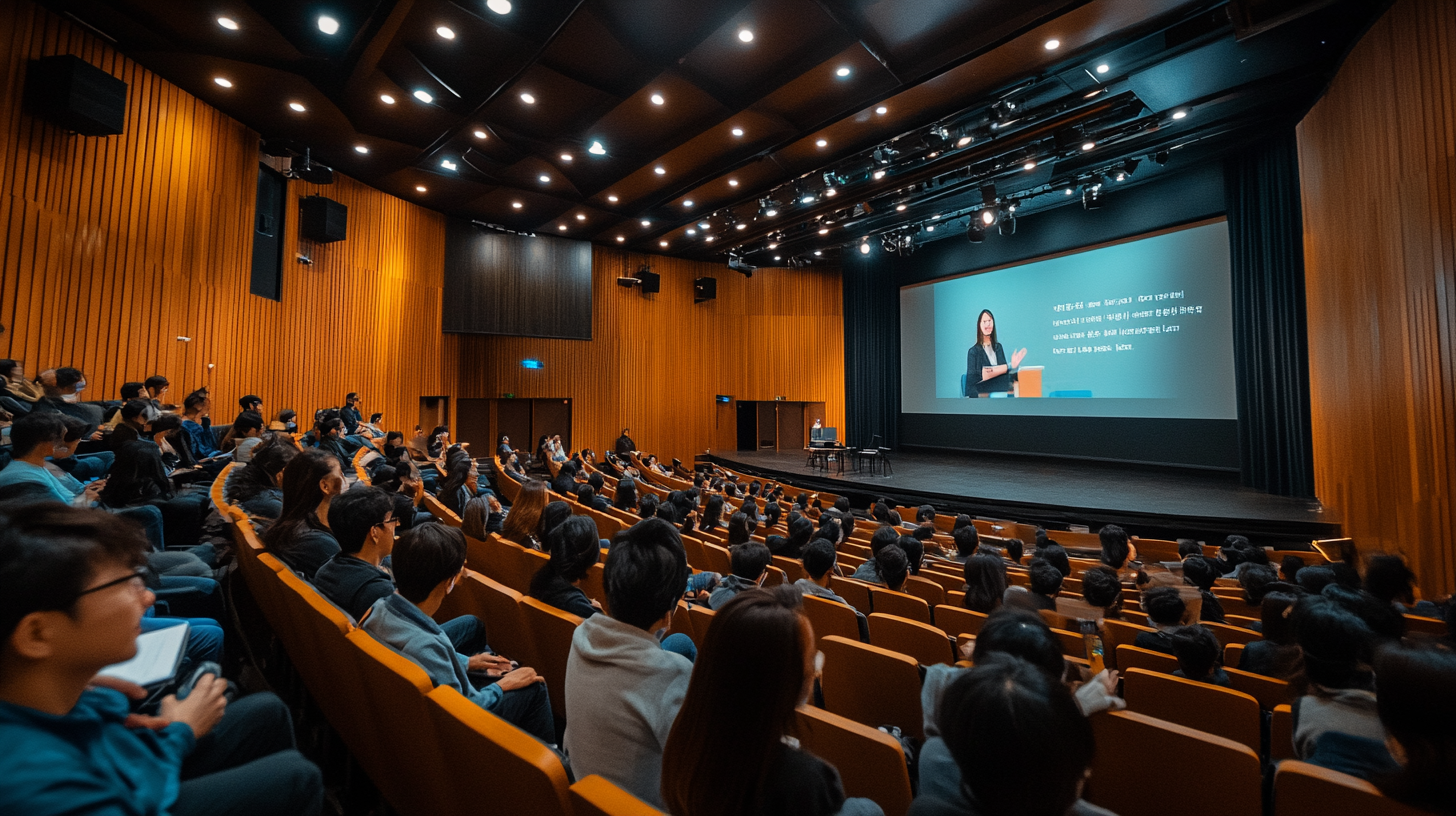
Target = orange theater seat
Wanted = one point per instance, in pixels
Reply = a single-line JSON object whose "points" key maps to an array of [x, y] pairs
{"points": [[528, 777], [831, 618], [870, 762], [1143, 766], [595, 796], [872, 686], [1229, 714], [927, 644], [1301, 789]]}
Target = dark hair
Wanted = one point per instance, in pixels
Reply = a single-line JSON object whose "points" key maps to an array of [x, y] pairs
{"points": [[1388, 578], [261, 472], [985, 582], [49, 552], [1115, 549], [137, 475], [246, 421], [525, 517], [1015, 549], [1417, 709], [1200, 571], [626, 496], [355, 513], [195, 400], [1337, 645], [1381, 617], [1023, 634], [1055, 555], [891, 566], [425, 557], [288, 413], [75, 428], [35, 429], [740, 702], [883, 537], [646, 574], [1277, 613], [247, 403], [1289, 568], [1164, 605], [1045, 579], [819, 558], [1314, 579], [301, 495], [772, 512], [740, 529], [647, 507], [842, 505], [924, 513], [1187, 547], [68, 376], [749, 560], [1196, 649], [1255, 578], [574, 548], [1101, 587], [137, 408], [712, 512], [966, 540], [129, 390], [552, 515], [375, 417], [979, 335], [156, 381]]}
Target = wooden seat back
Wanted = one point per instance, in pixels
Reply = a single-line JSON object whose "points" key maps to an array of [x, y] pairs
{"points": [[870, 762], [1302, 789], [482, 746], [1220, 711], [1142, 764], [831, 618], [927, 644], [871, 686]]}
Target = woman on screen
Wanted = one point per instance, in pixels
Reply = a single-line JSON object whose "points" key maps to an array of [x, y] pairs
{"points": [[987, 369]]}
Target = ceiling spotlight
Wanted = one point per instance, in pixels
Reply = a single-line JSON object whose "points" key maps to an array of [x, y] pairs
{"points": [[360, 149], [745, 226], [830, 192], [1006, 224], [703, 225], [444, 31], [864, 247], [597, 149], [447, 164], [297, 107], [988, 217], [818, 253], [773, 246], [1052, 44], [879, 174], [480, 134], [881, 110], [737, 131], [692, 231], [806, 199], [646, 223], [566, 157], [745, 35], [545, 179], [529, 99], [767, 207], [964, 140], [612, 199], [227, 22], [561, 227], [1030, 165], [657, 99], [842, 72], [1179, 114], [821, 143], [660, 170], [709, 239], [688, 204], [1067, 191], [1088, 145], [419, 188], [899, 208], [499, 6], [423, 96], [1121, 176], [580, 217], [386, 99], [328, 25], [975, 233], [732, 182], [823, 230], [1103, 68], [515, 205], [778, 257], [621, 238], [930, 228], [223, 81], [662, 244]]}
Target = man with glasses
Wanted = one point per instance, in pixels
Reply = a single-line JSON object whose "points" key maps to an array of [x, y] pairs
{"points": [[71, 604]]}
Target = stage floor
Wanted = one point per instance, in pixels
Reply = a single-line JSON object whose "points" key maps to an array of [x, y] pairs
{"points": [[1151, 501]]}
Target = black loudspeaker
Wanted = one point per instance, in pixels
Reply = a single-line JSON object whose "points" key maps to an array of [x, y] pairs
{"points": [[76, 95], [705, 289], [322, 219], [651, 282]]}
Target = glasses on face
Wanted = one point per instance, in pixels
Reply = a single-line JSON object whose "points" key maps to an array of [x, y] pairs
{"points": [[389, 522], [137, 580]]}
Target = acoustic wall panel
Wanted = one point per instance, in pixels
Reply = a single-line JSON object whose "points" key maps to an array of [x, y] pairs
{"points": [[498, 283]]}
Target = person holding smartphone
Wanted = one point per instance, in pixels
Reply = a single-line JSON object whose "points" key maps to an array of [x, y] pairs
{"points": [[988, 370]]}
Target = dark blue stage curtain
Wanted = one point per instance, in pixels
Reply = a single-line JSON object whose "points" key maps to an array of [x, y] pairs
{"points": [[1271, 353], [871, 355]]}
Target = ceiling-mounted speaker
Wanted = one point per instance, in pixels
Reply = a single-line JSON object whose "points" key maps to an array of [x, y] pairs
{"points": [[651, 282], [705, 289], [322, 220], [76, 95]]}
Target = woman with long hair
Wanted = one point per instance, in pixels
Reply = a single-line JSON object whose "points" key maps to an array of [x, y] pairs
{"points": [[740, 529], [301, 538], [757, 665], [139, 477], [985, 583], [256, 488], [574, 549], [462, 480], [482, 516], [712, 513], [988, 370], [626, 496], [1419, 715], [523, 522]]}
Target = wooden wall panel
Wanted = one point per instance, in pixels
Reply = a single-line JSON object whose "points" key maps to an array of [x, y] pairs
{"points": [[1378, 168], [112, 247], [656, 362]]}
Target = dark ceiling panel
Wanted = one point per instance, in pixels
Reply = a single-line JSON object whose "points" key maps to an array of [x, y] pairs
{"points": [[588, 51], [790, 38], [562, 106]]}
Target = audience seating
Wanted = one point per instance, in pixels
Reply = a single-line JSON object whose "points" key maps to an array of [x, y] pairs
{"points": [[926, 589], [899, 603], [1145, 766], [1281, 733], [498, 607], [701, 617], [1232, 634], [1416, 624], [1269, 691], [1134, 657], [481, 748], [1117, 633], [956, 620], [870, 762], [595, 796], [856, 592], [1219, 711], [871, 685], [550, 630], [921, 641], [1232, 654], [1301, 789], [440, 511], [831, 618]]}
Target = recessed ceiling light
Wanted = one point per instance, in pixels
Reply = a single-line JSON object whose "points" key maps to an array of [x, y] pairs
{"points": [[688, 203], [499, 6], [528, 99], [424, 96], [660, 170], [692, 231], [580, 217], [964, 140], [770, 212], [737, 131], [361, 149], [935, 217], [821, 143], [515, 205], [864, 248], [561, 227], [807, 199], [646, 223], [704, 225], [1088, 145], [1030, 165], [480, 134], [227, 22], [444, 31], [566, 157], [1103, 68], [778, 258], [657, 99], [621, 238], [612, 199], [710, 239], [879, 174], [930, 228], [297, 107], [1052, 44], [662, 244], [545, 179], [597, 149], [732, 182], [1179, 114], [447, 164], [818, 253], [830, 192], [740, 226], [386, 99], [328, 25], [823, 230], [899, 208], [419, 188], [223, 81], [882, 110], [745, 35], [842, 72], [1067, 191]]}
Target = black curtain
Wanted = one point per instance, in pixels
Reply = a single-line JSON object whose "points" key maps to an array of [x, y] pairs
{"points": [[1271, 353], [871, 355]]}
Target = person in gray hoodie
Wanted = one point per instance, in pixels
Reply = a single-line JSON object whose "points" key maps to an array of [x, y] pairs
{"points": [[623, 687], [819, 559], [750, 565]]}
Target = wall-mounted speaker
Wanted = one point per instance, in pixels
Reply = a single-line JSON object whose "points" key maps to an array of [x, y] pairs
{"points": [[76, 95], [651, 282], [705, 289], [322, 219]]}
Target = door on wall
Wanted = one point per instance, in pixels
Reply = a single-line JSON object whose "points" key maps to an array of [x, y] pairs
{"points": [[747, 426], [472, 421], [550, 417], [513, 418], [434, 411], [790, 425]]}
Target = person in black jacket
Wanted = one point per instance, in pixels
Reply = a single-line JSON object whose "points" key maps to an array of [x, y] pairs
{"points": [[574, 549], [624, 444], [301, 538], [987, 369], [350, 412]]}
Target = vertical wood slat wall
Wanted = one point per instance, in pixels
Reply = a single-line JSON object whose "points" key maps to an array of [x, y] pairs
{"points": [[655, 362], [113, 247], [1378, 169]]}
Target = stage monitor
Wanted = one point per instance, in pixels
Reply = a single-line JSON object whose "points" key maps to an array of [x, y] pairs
{"points": [[1141, 328]]}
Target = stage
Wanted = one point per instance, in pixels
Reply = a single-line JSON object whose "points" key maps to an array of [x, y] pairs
{"points": [[1150, 501]]}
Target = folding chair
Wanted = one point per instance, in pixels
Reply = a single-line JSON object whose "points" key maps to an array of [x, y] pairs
{"points": [[870, 762], [1142, 764], [927, 644], [1219, 711], [871, 685], [1301, 789]]}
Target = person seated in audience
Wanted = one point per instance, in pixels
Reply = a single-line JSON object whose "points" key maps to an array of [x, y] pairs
{"points": [[1289, 569], [329, 437], [1117, 549], [1392, 582], [819, 562], [72, 604], [462, 480], [350, 414], [1102, 589], [300, 538], [134, 421], [884, 536], [483, 515], [428, 561], [1187, 547], [63, 389], [647, 508], [713, 514], [250, 403], [1277, 654], [139, 478], [363, 523], [626, 495], [966, 541], [1020, 744], [256, 488], [523, 523], [750, 562], [574, 549], [1046, 585], [740, 529], [1165, 609], [1201, 572], [1336, 721], [985, 582], [393, 448], [799, 530], [623, 687], [914, 546], [891, 568], [18, 395], [1314, 579], [565, 482], [1417, 711], [511, 467], [552, 515], [71, 468], [286, 421], [1198, 653], [33, 438], [1237, 553], [156, 388], [438, 442], [1383, 620], [587, 496], [245, 434], [1054, 554], [1254, 580], [759, 665], [196, 409], [1015, 548]]}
